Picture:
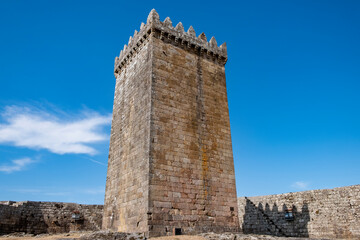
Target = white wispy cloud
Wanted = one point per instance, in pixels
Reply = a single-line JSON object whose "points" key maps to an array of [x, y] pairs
{"points": [[57, 193], [58, 133], [16, 165], [94, 161], [61, 192], [23, 190], [301, 185], [95, 191]]}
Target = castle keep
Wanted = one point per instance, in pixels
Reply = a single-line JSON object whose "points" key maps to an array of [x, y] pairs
{"points": [[170, 168], [170, 165]]}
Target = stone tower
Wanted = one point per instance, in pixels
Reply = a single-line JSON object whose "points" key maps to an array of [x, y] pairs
{"points": [[170, 168]]}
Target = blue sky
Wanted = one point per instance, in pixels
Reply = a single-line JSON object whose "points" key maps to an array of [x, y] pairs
{"points": [[293, 80]]}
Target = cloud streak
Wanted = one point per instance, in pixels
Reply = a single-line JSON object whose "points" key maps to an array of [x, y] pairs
{"points": [[40, 129], [17, 165], [300, 185], [63, 192]]}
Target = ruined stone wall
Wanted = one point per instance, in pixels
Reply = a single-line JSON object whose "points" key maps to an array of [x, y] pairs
{"points": [[48, 217], [327, 213], [192, 183], [126, 197]]}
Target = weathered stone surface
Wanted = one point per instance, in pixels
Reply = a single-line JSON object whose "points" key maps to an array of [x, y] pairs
{"points": [[239, 236], [48, 217], [17, 234], [327, 213], [127, 183], [176, 35], [170, 161], [107, 235]]}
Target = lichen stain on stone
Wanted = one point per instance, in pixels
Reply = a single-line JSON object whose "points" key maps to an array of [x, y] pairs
{"points": [[122, 225], [160, 157], [205, 170], [193, 146], [214, 145]]}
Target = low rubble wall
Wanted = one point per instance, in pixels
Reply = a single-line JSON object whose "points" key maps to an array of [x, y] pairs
{"points": [[48, 217]]}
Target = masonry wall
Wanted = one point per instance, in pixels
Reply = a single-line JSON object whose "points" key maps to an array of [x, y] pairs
{"points": [[126, 197], [192, 179], [328, 213], [170, 162], [48, 217]]}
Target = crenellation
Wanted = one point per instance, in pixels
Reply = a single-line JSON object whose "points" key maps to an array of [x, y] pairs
{"points": [[179, 27], [174, 35], [167, 22], [202, 37], [191, 32], [325, 213], [213, 42]]}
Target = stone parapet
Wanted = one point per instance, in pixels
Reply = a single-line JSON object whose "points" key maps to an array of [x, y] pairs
{"points": [[173, 35], [325, 213]]}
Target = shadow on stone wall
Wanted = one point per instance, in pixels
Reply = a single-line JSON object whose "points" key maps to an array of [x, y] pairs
{"points": [[15, 218], [272, 221], [48, 217]]}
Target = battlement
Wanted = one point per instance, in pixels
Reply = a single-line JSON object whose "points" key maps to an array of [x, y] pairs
{"points": [[173, 35]]}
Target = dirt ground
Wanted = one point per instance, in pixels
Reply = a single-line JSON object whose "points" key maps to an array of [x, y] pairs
{"points": [[43, 237], [76, 235], [184, 237]]}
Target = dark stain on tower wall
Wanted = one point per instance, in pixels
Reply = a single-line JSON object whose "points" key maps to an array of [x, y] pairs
{"points": [[171, 167]]}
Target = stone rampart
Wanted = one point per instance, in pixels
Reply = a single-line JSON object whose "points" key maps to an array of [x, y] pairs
{"points": [[48, 217], [327, 213]]}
